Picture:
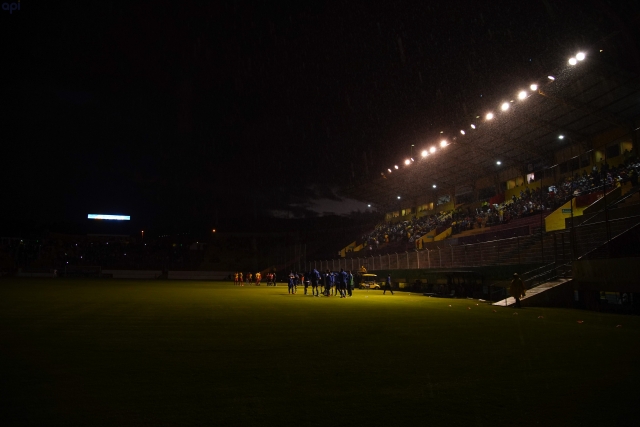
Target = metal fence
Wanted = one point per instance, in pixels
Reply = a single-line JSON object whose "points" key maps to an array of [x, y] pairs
{"points": [[558, 247]]}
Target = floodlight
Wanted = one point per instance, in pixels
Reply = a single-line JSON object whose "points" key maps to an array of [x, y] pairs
{"points": [[498, 163], [533, 87], [551, 77], [434, 186], [522, 94], [425, 153], [461, 131], [407, 162], [580, 56], [412, 159], [398, 197], [396, 166], [368, 206], [473, 126], [489, 116], [505, 106], [443, 143], [573, 61], [560, 136], [432, 149], [389, 170]]}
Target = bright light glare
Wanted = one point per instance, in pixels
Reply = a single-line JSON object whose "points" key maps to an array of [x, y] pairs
{"points": [[412, 159], [551, 77], [522, 95], [573, 61], [425, 153], [461, 131], [396, 166], [489, 116], [473, 126], [561, 137], [407, 162], [580, 56], [112, 217], [398, 197], [432, 149], [505, 106], [368, 206], [533, 87], [434, 186], [498, 162], [389, 170], [443, 143]]}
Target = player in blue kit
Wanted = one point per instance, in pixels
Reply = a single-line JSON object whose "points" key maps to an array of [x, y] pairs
{"points": [[315, 281], [341, 286], [292, 283], [328, 283]]}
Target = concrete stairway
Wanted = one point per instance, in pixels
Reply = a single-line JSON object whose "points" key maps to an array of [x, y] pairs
{"points": [[545, 294]]}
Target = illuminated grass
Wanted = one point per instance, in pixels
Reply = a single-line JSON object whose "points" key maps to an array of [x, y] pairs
{"points": [[111, 352]]}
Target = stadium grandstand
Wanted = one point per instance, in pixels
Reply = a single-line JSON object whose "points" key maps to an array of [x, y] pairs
{"points": [[544, 183]]}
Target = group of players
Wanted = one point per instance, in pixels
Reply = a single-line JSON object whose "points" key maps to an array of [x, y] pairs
{"points": [[239, 279], [328, 283], [331, 284]]}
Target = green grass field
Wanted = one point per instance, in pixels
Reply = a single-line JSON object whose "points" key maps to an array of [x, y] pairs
{"points": [[156, 353]]}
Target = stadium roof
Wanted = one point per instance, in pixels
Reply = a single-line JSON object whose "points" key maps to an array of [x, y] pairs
{"points": [[581, 101]]}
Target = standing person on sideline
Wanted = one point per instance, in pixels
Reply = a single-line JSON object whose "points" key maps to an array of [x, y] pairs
{"points": [[343, 277], [306, 280], [387, 285], [296, 282], [292, 283], [315, 278], [328, 281], [350, 284], [517, 289]]}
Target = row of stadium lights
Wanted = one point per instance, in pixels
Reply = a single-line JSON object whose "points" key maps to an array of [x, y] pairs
{"points": [[522, 95]]}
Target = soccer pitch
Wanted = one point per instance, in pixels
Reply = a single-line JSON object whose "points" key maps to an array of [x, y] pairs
{"points": [[164, 353]]}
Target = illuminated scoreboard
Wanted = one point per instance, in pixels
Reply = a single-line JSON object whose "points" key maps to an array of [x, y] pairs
{"points": [[109, 217]]}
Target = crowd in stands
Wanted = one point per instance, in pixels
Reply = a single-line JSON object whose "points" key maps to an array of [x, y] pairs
{"points": [[406, 231], [529, 202]]}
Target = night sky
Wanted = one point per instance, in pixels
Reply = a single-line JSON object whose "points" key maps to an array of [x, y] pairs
{"points": [[181, 113]]}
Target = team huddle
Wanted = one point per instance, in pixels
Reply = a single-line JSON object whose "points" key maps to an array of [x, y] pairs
{"points": [[328, 283], [331, 284]]}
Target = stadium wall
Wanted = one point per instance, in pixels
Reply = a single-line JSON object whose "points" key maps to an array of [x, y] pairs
{"points": [[133, 274], [200, 275], [172, 275]]}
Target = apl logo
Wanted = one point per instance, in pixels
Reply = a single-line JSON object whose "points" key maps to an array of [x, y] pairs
{"points": [[11, 7]]}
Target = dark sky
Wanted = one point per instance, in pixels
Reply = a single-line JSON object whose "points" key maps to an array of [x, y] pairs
{"points": [[188, 112]]}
